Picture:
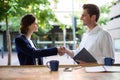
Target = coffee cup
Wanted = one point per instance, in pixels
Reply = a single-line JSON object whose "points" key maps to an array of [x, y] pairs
{"points": [[108, 61], [53, 65]]}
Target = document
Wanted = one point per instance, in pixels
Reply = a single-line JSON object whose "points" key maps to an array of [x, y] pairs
{"points": [[85, 56], [103, 69]]}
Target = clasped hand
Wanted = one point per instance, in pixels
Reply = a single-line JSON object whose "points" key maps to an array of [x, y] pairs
{"points": [[61, 50]]}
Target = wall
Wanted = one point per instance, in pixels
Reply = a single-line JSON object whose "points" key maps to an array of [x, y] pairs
{"points": [[113, 26]]}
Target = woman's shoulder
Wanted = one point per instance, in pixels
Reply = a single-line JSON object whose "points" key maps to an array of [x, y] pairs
{"points": [[20, 37]]}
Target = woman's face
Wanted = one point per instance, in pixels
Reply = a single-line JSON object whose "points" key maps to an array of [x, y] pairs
{"points": [[34, 27]]}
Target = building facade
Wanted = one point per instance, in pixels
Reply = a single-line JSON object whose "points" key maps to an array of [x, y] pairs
{"points": [[113, 26]]}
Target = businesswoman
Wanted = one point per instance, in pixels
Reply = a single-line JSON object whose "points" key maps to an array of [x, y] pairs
{"points": [[26, 51]]}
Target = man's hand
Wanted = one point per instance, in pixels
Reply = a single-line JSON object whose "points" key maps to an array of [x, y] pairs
{"points": [[80, 61], [61, 50]]}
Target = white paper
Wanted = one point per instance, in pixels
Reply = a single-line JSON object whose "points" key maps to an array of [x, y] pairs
{"points": [[103, 68], [94, 69], [112, 68]]}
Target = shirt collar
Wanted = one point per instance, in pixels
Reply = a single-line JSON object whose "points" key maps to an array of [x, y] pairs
{"points": [[94, 30]]}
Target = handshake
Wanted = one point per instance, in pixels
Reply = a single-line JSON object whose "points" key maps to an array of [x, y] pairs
{"points": [[61, 50]]}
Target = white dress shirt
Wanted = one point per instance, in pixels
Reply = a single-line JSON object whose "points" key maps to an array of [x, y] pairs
{"points": [[98, 42]]}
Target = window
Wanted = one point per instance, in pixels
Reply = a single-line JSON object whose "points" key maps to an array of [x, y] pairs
{"points": [[117, 44]]}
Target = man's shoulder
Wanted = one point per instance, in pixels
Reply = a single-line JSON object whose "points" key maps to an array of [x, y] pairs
{"points": [[103, 30], [104, 33]]}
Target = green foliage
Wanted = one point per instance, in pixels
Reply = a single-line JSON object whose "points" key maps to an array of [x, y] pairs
{"points": [[40, 8], [4, 9], [18, 8], [103, 20], [104, 10]]}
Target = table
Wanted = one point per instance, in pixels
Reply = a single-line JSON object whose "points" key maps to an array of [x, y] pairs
{"points": [[43, 73]]}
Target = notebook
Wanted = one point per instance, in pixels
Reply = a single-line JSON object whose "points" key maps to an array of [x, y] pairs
{"points": [[85, 56]]}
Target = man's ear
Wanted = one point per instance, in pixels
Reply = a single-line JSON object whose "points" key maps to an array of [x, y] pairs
{"points": [[93, 17]]}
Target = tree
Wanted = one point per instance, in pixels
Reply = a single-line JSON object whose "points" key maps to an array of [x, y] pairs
{"points": [[4, 10], [40, 8]]}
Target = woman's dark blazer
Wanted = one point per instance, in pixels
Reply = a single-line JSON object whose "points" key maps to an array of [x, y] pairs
{"points": [[27, 54]]}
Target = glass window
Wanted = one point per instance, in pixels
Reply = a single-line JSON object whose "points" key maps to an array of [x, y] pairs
{"points": [[117, 44]]}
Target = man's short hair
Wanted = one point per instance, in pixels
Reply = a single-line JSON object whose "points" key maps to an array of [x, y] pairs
{"points": [[92, 9]]}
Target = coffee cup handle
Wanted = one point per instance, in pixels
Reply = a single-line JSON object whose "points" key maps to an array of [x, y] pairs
{"points": [[113, 60], [48, 64]]}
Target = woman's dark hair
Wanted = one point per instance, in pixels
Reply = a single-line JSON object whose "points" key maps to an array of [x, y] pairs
{"points": [[92, 9], [26, 21]]}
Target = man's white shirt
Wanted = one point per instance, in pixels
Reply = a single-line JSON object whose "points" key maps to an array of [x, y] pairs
{"points": [[98, 42]]}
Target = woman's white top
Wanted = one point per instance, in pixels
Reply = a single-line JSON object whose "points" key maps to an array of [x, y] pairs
{"points": [[31, 43]]}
